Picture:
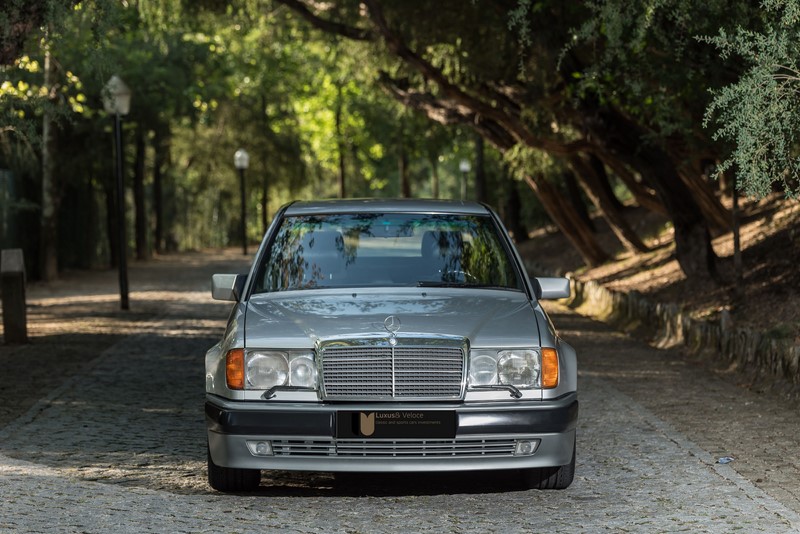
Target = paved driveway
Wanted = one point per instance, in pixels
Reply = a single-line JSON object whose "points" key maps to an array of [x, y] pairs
{"points": [[119, 446]]}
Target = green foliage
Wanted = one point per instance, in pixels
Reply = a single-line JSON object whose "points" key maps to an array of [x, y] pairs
{"points": [[760, 112], [642, 57], [209, 77], [645, 58]]}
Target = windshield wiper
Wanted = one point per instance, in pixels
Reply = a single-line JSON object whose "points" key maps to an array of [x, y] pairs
{"points": [[430, 283]]}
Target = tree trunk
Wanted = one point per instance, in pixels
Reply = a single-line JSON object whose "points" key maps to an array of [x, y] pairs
{"points": [[358, 189], [738, 270], [710, 206], [623, 140], [48, 243], [644, 196], [434, 161], [89, 248], [161, 149], [702, 191], [138, 196], [265, 166], [513, 214], [111, 221], [340, 144], [599, 196], [599, 169], [402, 164], [574, 229], [480, 170], [576, 200], [264, 202]]}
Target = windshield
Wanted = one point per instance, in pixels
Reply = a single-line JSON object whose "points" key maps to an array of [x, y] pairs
{"points": [[386, 250]]}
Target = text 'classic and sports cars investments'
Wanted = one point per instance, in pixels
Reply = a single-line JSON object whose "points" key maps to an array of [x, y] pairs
{"points": [[389, 336]]}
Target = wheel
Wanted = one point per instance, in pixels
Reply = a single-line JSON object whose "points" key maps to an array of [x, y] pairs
{"points": [[229, 479], [543, 478]]}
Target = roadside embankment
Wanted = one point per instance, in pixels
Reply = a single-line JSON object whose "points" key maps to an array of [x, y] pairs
{"points": [[754, 330], [747, 349], [774, 362]]}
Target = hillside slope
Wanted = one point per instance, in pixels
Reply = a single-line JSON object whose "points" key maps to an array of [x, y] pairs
{"points": [[770, 237]]}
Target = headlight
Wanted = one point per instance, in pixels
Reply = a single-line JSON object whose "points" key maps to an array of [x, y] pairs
{"points": [[303, 372], [521, 368], [265, 369], [482, 371]]}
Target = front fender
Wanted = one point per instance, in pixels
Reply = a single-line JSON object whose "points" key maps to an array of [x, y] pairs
{"points": [[215, 357]]}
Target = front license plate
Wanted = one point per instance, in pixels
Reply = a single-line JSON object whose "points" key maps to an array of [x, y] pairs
{"points": [[397, 424]]}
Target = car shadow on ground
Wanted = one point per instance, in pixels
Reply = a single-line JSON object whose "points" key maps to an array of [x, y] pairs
{"points": [[293, 484]]}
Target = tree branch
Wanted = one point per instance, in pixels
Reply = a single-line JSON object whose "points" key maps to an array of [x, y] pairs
{"points": [[445, 112], [328, 26], [513, 125]]}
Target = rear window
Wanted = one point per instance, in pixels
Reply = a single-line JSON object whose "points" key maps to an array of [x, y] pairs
{"points": [[386, 250]]}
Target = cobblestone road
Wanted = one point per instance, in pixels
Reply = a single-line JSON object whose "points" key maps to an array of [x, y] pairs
{"points": [[120, 447]]}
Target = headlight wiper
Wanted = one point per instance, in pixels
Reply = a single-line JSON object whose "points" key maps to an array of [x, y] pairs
{"points": [[270, 393], [516, 393]]}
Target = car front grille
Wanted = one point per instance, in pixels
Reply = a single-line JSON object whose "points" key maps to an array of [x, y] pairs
{"points": [[411, 370], [398, 448]]}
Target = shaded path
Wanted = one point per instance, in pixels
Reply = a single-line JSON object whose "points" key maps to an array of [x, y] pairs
{"points": [[120, 446], [760, 430]]}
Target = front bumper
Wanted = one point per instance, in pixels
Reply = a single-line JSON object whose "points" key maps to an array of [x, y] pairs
{"points": [[304, 437]]}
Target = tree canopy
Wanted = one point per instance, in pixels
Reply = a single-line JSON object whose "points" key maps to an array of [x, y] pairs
{"points": [[580, 103]]}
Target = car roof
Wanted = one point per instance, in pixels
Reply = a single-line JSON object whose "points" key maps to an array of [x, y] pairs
{"points": [[380, 205]]}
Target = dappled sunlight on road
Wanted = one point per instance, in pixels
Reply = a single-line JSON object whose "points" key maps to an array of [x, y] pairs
{"points": [[87, 303], [143, 297]]}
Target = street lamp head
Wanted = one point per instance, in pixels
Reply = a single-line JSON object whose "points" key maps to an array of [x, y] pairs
{"points": [[116, 96], [464, 166], [241, 160]]}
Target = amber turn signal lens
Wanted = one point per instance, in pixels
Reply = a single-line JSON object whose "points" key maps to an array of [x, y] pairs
{"points": [[549, 368], [234, 369]]}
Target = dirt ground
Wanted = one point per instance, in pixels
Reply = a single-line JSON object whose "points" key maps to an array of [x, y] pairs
{"points": [[74, 320]]}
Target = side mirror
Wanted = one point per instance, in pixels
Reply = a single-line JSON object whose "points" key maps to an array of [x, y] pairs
{"points": [[551, 288], [228, 286]]}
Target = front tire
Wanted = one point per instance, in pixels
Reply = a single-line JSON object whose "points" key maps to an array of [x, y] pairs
{"points": [[230, 479], [545, 478]]}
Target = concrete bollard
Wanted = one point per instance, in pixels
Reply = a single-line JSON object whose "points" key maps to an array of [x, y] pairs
{"points": [[12, 280]]}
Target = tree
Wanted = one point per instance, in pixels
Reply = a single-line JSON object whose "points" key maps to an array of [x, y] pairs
{"points": [[22, 18], [51, 198], [574, 90], [759, 111], [460, 95]]}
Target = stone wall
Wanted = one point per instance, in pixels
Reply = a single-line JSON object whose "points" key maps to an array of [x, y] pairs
{"points": [[669, 326]]}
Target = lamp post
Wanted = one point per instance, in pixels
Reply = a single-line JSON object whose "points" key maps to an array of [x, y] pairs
{"points": [[117, 102], [241, 160], [464, 167]]}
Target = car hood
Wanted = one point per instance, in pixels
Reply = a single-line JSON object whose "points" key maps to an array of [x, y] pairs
{"points": [[298, 319]]}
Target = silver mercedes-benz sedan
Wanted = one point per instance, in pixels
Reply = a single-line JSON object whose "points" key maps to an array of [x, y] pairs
{"points": [[389, 336]]}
